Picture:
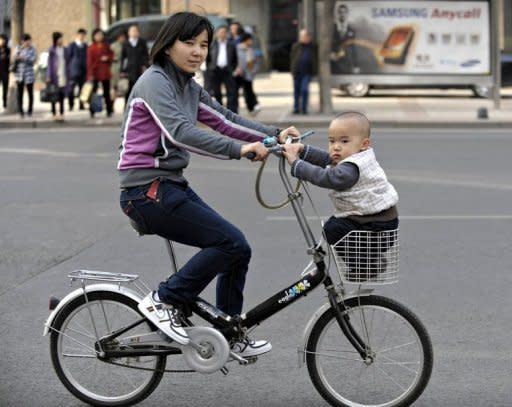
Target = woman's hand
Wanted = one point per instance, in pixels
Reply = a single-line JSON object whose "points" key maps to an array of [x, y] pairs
{"points": [[292, 151], [290, 131], [261, 152]]}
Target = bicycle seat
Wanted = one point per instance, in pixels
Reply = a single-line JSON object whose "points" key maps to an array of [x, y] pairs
{"points": [[140, 229]]}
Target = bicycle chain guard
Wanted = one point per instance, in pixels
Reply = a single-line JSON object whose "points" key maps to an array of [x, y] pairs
{"points": [[213, 353]]}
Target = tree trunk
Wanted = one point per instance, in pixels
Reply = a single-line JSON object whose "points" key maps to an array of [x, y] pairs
{"points": [[324, 63], [17, 20]]}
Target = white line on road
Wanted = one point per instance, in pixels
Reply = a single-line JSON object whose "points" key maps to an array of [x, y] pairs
{"points": [[448, 182], [410, 217], [52, 153]]}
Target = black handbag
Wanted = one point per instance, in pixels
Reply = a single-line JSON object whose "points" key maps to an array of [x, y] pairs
{"points": [[50, 94]]}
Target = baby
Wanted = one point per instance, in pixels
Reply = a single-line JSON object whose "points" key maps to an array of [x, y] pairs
{"points": [[363, 197]]}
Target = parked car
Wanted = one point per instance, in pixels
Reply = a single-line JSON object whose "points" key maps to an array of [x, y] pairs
{"points": [[360, 89]]}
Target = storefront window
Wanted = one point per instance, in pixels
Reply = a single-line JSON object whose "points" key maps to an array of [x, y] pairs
{"points": [[120, 9]]}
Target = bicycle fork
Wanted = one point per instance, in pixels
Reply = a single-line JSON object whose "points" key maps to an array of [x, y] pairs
{"points": [[341, 315]]}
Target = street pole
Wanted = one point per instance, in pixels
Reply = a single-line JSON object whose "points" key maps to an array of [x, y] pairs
{"points": [[17, 20], [496, 53], [324, 59]]}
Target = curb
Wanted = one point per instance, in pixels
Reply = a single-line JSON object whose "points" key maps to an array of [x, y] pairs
{"points": [[302, 123]]}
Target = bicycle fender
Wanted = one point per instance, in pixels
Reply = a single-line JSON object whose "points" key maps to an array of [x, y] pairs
{"points": [[301, 348], [89, 289]]}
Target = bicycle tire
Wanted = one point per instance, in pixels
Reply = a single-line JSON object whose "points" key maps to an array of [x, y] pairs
{"points": [[75, 314], [362, 312]]}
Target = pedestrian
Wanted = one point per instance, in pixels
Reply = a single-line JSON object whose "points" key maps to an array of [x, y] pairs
{"points": [[24, 58], [134, 58], [303, 66], [236, 32], [76, 56], [363, 197], [246, 72], [99, 59], [5, 60], [159, 133], [117, 49], [56, 74], [221, 63]]}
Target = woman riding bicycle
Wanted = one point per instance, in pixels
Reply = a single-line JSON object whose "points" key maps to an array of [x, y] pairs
{"points": [[159, 132]]}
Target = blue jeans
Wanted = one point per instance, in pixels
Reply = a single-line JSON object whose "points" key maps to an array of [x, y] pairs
{"points": [[179, 214], [301, 92]]}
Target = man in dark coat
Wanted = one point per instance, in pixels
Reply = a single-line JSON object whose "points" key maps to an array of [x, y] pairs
{"points": [[303, 66], [134, 58], [221, 63], [76, 59]]}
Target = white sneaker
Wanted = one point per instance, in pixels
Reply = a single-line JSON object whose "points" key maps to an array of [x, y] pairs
{"points": [[165, 317], [248, 348]]}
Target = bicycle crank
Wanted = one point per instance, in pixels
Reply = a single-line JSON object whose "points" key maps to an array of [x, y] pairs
{"points": [[208, 350]]}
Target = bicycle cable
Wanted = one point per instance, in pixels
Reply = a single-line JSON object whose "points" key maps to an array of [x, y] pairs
{"points": [[259, 197]]}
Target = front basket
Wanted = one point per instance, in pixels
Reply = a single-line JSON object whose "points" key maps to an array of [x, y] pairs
{"points": [[367, 257]]}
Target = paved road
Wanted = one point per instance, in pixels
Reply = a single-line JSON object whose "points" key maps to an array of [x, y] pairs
{"points": [[59, 212]]}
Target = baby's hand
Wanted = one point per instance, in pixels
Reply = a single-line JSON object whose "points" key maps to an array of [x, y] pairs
{"points": [[292, 151], [290, 131]]}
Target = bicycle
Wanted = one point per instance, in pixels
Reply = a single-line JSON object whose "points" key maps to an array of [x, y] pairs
{"points": [[360, 349]]}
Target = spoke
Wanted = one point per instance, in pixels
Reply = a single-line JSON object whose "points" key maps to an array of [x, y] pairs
{"points": [[335, 356], [76, 341], [402, 364], [71, 355], [395, 347], [80, 332], [391, 378]]}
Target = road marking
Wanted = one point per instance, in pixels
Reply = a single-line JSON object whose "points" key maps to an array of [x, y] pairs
{"points": [[53, 153], [448, 182], [408, 217], [16, 178]]}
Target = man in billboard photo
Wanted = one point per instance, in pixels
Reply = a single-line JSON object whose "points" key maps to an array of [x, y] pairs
{"points": [[353, 44], [342, 53]]}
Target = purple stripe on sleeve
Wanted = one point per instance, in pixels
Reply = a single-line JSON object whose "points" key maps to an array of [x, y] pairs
{"points": [[216, 121], [141, 138]]}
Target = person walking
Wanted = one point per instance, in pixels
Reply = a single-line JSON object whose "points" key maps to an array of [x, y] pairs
{"points": [[159, 133], [24, 58], [236, 32], [5, 60], [76, 56], [221, 63], [303, 66], [56, 74], [246, 72], [99, 59], [117, 49], [134, 58]]}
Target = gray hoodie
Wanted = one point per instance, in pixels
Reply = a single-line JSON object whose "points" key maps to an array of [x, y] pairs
{"points": [[159, 128]]}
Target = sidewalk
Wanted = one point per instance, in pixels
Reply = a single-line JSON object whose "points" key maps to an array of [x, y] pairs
{"points": [[384, 108]]}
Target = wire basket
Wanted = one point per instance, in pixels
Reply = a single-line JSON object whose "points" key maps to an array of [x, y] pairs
{"points": [[367, 257]]}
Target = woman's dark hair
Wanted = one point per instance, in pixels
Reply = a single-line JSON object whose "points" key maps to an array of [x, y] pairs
{"points": [[26, 37], [5, 38], [55, 37], [96, 31], [180, 26]]}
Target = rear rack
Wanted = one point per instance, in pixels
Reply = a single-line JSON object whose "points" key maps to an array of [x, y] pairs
{"points": [[93, 275]]}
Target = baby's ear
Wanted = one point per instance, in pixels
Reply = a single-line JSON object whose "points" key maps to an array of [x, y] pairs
{"points": [[366, 143]]}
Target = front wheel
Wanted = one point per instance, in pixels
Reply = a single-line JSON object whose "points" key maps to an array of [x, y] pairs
{"points": [[400, 362], [102, 382]]}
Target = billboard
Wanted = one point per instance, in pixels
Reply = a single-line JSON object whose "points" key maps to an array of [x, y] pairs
{"points": [[411, 37]]}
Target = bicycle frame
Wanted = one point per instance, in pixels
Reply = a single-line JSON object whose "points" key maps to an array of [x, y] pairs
{"points": [[290, 294]]}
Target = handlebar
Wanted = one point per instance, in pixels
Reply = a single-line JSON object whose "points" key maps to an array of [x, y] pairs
{"points": [[274, 147]]}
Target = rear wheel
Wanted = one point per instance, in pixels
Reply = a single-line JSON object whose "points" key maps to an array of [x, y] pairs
{"points": [[112, 382], [400, 362]]}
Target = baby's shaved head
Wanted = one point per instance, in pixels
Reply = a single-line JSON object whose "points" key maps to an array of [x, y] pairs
{"points": [[361, 121]]}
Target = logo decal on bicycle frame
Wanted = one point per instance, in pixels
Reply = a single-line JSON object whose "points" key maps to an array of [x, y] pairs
{"points": [[294, 291]]}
